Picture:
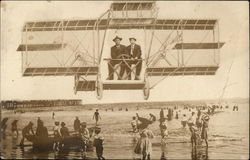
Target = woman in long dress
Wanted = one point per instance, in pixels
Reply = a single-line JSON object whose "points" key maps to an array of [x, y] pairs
{"points": [[144, 145]]}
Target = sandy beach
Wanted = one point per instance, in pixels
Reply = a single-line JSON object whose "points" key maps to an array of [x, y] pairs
{"points": [[119, 133]]}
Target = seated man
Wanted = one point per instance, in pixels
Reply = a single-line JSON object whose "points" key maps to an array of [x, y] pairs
{"points": [[118, 51], [135, 53]]}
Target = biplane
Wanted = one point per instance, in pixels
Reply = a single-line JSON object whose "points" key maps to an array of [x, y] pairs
{"points": [[81, 48]]}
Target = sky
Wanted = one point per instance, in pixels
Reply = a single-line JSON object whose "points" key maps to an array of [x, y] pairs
{"points": [[233, 22]]}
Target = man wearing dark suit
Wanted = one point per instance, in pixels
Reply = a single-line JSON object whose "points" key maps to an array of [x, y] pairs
{"points": [[118, 51], [135, 53]]}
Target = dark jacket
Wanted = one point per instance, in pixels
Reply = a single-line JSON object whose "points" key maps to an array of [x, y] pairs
{"points": [[136, 51], [43, 132], [64, 132], [117, 51]]}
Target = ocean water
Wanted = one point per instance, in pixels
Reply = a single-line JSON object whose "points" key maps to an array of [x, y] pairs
{"points": [[228, 138]]}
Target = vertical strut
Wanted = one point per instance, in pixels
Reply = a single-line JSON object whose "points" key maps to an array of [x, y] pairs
{"points": [[150, 45], [22, 53], [214, 48], [62, 39], [104, 36], [145, 41], [218, 41], [93, 46], [182, 52], [98, 43], [26, 49], [178, 53]]}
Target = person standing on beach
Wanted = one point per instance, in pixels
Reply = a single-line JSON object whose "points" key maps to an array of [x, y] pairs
{"points": [[169, 114], [42, 134], [134, 123], [163, 127], [57, 137], [198, 121], [204, 129], [176, 115], [64, 130], [152, 117], [85, 136], [164, 136], [98, 144], [184, 121], [53, 115], [77, 124], [161, 115], [191, 119], [26, 131], [96, 116], [144, 145], [14, 127], [39, 125], [191, 123]]}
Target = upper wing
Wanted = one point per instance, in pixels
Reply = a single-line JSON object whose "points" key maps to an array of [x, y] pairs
{"points": [[121, 23]]}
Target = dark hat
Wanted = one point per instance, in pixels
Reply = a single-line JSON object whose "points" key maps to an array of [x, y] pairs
{"points": [[57, 123], [117, 38], [63, 124], [132, 38], [30, 123]]}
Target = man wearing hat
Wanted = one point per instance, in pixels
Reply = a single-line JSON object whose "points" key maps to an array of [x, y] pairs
{"points": [[118, 51], [135, 51]]}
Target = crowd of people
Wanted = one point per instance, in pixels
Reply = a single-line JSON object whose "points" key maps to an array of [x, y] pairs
{"points": [[61, 134], [197, 123]]}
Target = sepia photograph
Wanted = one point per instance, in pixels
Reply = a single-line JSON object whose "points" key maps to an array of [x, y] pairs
{"points": [[128, 80]]}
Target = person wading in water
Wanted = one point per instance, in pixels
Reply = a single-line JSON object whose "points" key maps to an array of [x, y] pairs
{"points": [[26, 131], [57, 137], [98, 143], [205, 120], [77, 124], [144, 145], [96, 116], [85, 136]]}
